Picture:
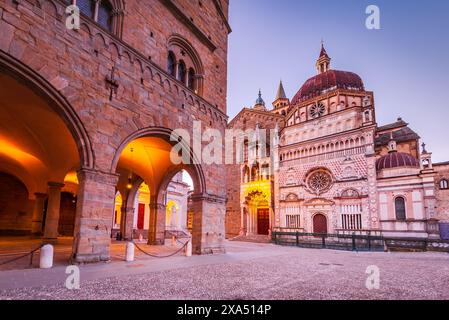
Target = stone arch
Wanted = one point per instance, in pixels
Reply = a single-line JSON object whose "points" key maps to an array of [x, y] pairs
{"points": [[194, 169], [55, 100]]}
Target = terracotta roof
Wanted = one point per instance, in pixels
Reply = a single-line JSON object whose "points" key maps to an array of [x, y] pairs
{"points": [[396, 160], [331, 79], [401, 135]]}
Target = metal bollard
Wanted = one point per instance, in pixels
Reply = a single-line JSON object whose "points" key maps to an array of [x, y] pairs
{"points": [[46, 257], [129, 252], [189, 248]]}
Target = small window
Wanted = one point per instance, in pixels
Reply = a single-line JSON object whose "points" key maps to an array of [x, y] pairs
{"points": [[104, 17], [171, 64], [399, 204], [444, 184], [182, 72], [87, 7], [191, 80]]}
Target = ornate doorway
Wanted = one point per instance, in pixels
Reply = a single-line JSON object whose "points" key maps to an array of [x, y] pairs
{"points": [[263, 221], [319, 223]]}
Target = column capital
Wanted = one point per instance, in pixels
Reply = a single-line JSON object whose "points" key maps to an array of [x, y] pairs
{"points": [[98, 176], [56, 185], [207, 197]]}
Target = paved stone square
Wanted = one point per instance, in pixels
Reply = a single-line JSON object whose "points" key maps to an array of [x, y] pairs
{"points": [[246, 271]]}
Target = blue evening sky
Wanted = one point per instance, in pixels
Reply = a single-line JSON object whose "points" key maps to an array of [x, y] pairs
{"points": [[405, 63]]}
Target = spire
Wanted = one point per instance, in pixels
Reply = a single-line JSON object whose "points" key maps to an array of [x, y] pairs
{"points": [[281, 92], [323, 52], [323, 63]]}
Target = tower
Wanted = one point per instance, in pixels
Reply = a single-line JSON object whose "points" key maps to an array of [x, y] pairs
{"points": [[281, 103]]}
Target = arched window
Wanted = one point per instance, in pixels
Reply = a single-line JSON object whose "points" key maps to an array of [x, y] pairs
{"points": [[182, 72], [191, 80], [99, 11], [104, 16], [444, 184], [171, 64], [87, 7], [399, 205]]}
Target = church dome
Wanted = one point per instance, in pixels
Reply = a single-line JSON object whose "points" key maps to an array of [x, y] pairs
{"points": [[326, 81], [396, 160]]}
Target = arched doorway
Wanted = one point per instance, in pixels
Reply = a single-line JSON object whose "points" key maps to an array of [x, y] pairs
{"points": [[319, 223]]}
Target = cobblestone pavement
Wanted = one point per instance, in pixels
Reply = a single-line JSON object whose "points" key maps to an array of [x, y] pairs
{"points": [[258, 271]]}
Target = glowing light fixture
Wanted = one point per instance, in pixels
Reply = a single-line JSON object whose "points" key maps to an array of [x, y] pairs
{"points": [[129, 185]]}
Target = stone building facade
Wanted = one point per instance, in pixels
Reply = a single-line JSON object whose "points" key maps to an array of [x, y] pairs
{"points": [[90, 112], [335, 170]]}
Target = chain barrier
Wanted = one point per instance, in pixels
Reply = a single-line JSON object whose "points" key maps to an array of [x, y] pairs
{"points": [[166, 256], [31, 253]]}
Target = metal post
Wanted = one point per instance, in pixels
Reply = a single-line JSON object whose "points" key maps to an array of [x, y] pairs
{"points": [[323, 240], [297, 239]]}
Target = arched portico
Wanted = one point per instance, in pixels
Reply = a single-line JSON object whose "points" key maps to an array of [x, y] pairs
{"points": [[43, 144], [146, 156]]}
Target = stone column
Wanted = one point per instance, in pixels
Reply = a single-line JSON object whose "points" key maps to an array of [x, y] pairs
{"points": [[208, 224], [127, 223], [53, 208], [248, 222], [242, 221], [156, 229], [38, 213], [94, 212]]}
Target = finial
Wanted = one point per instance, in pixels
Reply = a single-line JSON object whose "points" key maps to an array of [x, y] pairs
{"points": [[424, 148]]}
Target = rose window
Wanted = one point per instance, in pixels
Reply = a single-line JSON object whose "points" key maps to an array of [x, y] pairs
{"points": [[319, 181]]}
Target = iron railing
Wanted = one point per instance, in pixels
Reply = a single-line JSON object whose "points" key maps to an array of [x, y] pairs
{"points": [[351, 242]]}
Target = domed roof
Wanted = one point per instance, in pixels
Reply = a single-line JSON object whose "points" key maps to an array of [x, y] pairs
{"points": [[396, 160], [329, 80]]}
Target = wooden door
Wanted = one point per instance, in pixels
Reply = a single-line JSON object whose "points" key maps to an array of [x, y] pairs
{"points": [[263, 221], [319, 223], [141, 217]]}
